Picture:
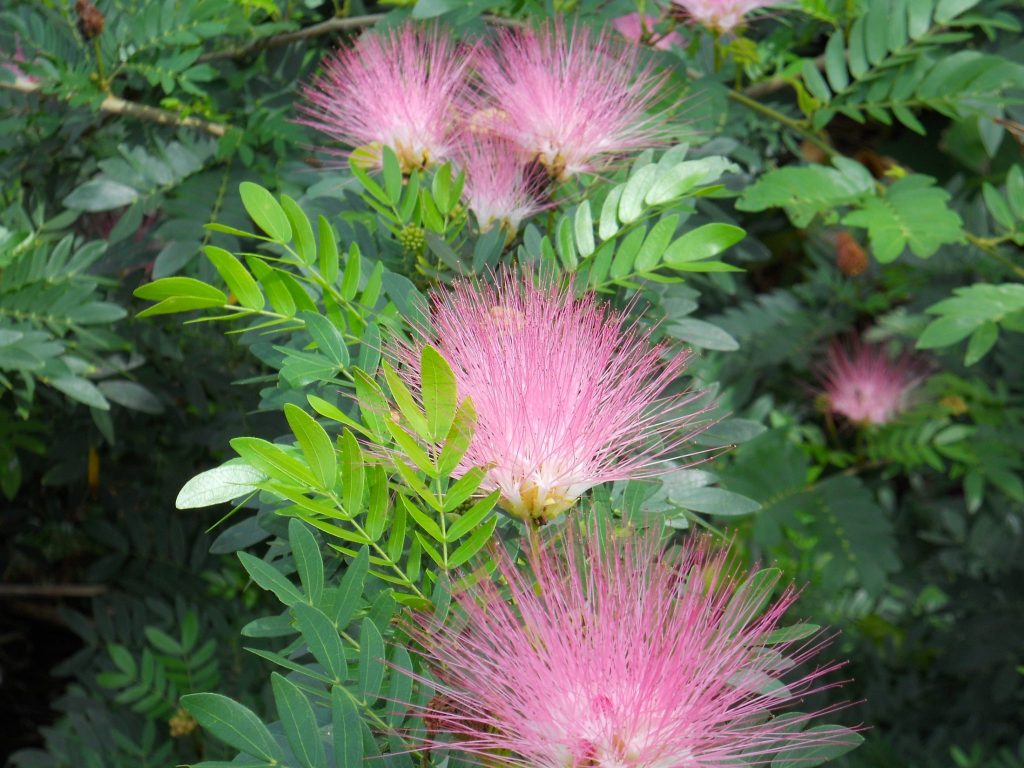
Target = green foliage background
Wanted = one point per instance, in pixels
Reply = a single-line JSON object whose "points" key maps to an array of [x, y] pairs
{"points": [[157, 170]]}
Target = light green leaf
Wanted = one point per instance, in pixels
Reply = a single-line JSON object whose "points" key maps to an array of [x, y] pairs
{"points": [[438, 392], [584, 229], [316, 445], [265, 211], [703, 243], [302, 230], [913, 213], [218, 485], [239, 281], [631, 204]]}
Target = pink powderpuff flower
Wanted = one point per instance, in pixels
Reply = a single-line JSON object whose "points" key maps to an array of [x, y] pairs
{"points": [[863, 384], [720, 15], [567, 98], [567, 393], [617, 654], [629, 27], [397, 89], [498, 189]]}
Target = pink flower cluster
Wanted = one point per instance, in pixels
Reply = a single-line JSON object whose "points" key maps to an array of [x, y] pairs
{"points": [[720, 15], [863, 384], [562, 98], [568, 393], [617, 654]]}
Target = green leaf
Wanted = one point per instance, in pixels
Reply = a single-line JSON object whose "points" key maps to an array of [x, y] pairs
{"points": [[218, 485], [371, 661], [832, 741], [235, 725], [274, 283], [181, 288], [271, 579], [702, 334], [272, 460], [372, 404], [622, 264], [913, 213], [438, 392], [392, 173], [353, 473], [430, 9], [946, 330], [82, 390], [347, 729], [323, 640], [919, 17], [703, 243], [350, 280], [305, 245], [609, 222], [458, 439], [316, 445], [327, 337], [463, 488], [566, 246], [716, 501], [351, 587], [422, 520], [132, 395], [652, 252], [101, 195], [807, 191], [237, 277], [997, 206], [583, 227], [752, 595], [835, 63], [1015, 190], [328, 251], [406, 402], [677, 181], [790, 634], [631, 205], [265, 211], [308, 560], [982, 340], [299, 723], [473, 516], [947, 10], [815, 82], [473, 544]]}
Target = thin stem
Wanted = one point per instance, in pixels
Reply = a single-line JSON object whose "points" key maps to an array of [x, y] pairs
{"points": [[989, 245], [100, 72], [794, 125], [115, 105]]}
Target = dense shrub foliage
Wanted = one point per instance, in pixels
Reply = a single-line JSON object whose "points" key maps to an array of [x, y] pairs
{"points": [[323, 324]]}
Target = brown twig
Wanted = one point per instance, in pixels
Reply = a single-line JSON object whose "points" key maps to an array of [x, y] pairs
{"points": [[115, 105], [337, 24], [314, 30], [51, 590]]}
